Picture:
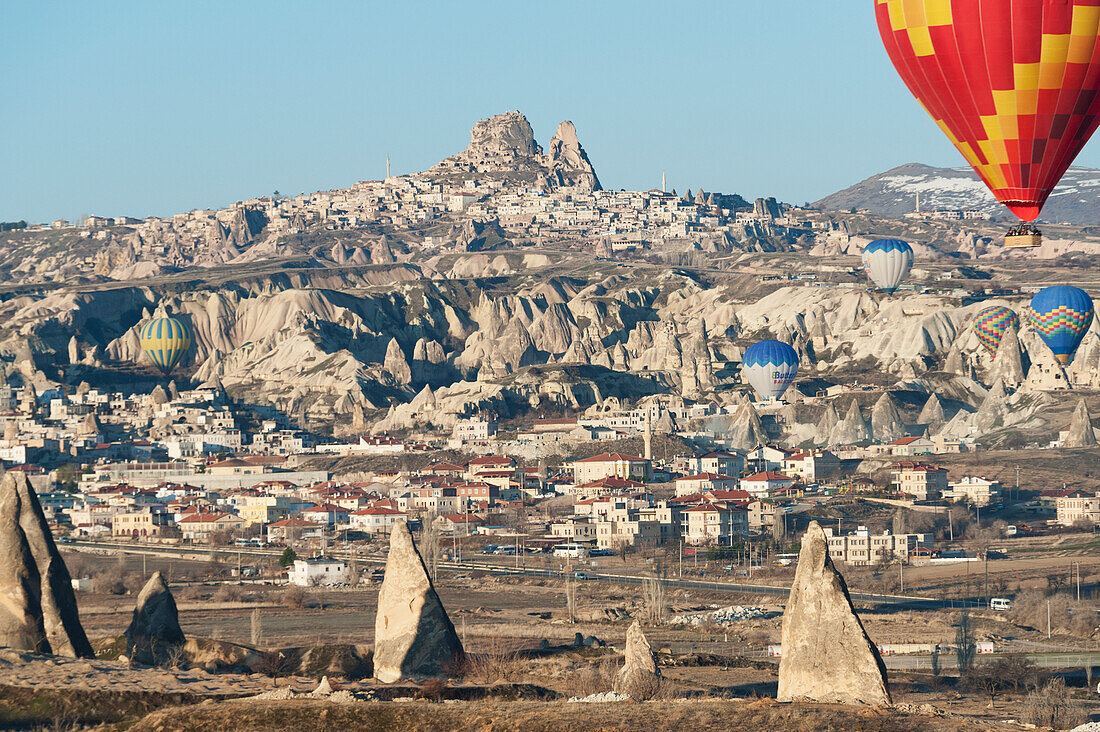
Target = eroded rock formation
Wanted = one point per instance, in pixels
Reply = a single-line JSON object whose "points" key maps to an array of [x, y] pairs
{"points": [[827, 655], [154, 632], [639, 677], [37, 605], [413, 636]]}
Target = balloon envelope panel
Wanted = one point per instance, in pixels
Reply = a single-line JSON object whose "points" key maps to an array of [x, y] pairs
{"points": [[770, 367], [1062, 315], [164, 341], [887, 262], [991, 323], [1012, 83]]}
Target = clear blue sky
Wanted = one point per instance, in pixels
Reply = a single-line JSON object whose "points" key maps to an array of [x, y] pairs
{"points": [[154, 108]]}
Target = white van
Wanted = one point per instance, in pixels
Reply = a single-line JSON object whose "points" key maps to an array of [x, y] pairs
{"points": [[1000, 603]]}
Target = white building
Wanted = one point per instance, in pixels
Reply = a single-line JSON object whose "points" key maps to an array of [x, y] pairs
{"points": [[474, 429], [376, 520], [318, 572], [762, 485], [1079, 507], [974, 490], [859, 547], [702, 482]]}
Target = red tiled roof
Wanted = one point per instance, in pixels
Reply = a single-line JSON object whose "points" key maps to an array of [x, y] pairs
{"points": [[766, 475], [378, 511], [292, 522], [706, 476], [612, 457]]}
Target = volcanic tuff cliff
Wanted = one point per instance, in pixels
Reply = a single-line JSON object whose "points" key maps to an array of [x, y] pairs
{"points": [[339, 352]]}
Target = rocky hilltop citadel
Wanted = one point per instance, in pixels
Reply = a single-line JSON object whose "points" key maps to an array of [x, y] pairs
{"points": [[506, 282]]}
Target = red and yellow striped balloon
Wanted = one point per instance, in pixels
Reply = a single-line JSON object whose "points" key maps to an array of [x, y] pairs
{"points": [[1012, 83]]}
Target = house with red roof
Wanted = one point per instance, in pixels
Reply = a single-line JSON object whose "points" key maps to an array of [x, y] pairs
{"points": [[701, 482], [708, 524], [922, 481], [376, 520], [326, 513], [765, 483], [612, 465], [198, 526], [293, 529], [811, 466], [604, 487], [911, 447]]}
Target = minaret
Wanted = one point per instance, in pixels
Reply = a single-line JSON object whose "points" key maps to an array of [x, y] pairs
{"points": [[648, 437], [918, 201], [662, 182], [388, 174]]}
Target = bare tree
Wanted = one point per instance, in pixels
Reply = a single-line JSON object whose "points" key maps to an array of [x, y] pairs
{"points": [[430, 545], [965, 646], [653, 598], [257, 635]]}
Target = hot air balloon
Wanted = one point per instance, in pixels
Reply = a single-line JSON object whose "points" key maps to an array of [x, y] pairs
{"points": [[770, 367], [887, 262], [1013, 84], [1062, 315], [164, 341], [991, 323]]}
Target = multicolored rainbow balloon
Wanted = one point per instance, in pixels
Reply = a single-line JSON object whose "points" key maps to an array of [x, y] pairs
{"points": [[990, 325]]}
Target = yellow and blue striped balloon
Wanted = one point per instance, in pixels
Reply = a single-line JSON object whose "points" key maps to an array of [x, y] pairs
{"points": [[164, 341]]}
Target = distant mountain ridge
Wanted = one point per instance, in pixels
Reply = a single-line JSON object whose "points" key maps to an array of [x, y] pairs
{"points": [[1076, 200]]}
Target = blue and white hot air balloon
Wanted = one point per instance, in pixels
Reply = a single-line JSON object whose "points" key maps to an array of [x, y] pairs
{"points": [[887, 263], [770, 367]]}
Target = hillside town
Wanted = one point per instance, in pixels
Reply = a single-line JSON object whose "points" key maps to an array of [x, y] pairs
{"points": [[195, 466]]}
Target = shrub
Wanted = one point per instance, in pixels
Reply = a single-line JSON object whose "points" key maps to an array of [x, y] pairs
{"points": [[228, 593], [1051, 706], [502, 661], [432, 690], [293, 596], [111, 582]]}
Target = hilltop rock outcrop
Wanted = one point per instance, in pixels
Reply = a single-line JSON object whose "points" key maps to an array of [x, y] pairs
{"points": [[639, 677], [568, 161], [154, 631], [413, 636], [37, 605], [827, 655]]}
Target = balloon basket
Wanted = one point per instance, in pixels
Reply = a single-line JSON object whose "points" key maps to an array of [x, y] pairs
{"points": [[1028, 240]]}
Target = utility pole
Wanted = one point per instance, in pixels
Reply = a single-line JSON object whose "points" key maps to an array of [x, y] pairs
{"points": [[1017, 468], [681, 558], [1048, 619], [985, 554], [1077, 566], [901, 576]]}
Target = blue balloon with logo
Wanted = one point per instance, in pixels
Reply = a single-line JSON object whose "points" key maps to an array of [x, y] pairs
{"points": [[770, 367]]}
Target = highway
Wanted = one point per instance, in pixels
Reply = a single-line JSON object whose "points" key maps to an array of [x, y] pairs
{"points": [[492, 567]]}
